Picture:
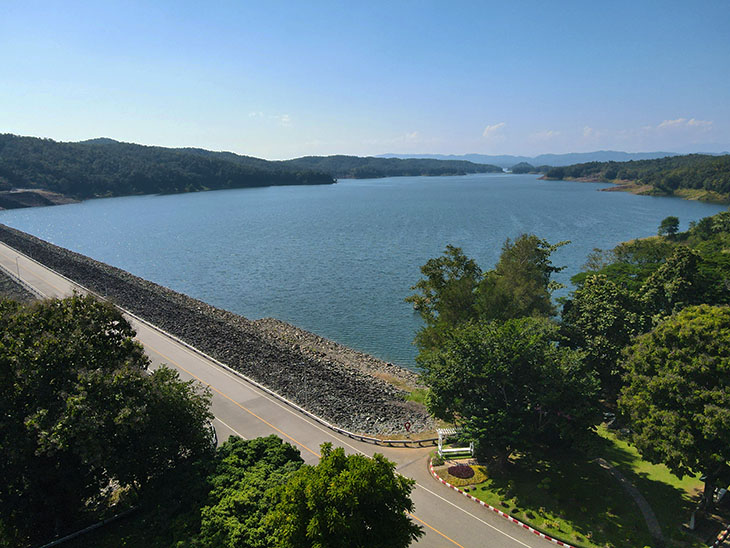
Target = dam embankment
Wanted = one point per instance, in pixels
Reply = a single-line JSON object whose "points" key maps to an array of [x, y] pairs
{"points": [[350, 389]]}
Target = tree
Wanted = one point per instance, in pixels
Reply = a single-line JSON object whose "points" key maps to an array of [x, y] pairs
{"points": [[510, 386], [677, 283], [669, 226], [78, 412], [135, 426], [677, 394], [601, 319], [629, 264], [243, 487], [454, 290], [446, 294], [520, 284], [345, 501]]}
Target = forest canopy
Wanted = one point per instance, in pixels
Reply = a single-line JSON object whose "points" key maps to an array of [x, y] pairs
{"points": [[105, 167], [663, 175], [355, 167]]}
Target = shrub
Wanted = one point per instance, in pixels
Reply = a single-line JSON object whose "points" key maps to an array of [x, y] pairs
{"points": [[461, 471]]}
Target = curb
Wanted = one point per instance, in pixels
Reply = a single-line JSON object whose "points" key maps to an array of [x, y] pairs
{"points": [[498, 511], [721, 537]]}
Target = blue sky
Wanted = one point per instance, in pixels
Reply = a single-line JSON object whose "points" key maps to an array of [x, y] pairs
{"points": [[284, 79]]}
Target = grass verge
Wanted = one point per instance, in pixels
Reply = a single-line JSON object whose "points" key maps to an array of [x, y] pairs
{"points": [[569, 496]]}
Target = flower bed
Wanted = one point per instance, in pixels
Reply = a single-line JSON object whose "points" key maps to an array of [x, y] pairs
{"points": [[462, 471], [478, 474]]}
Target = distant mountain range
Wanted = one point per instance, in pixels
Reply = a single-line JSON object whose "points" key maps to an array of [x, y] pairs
{"points": [[554, 160]]}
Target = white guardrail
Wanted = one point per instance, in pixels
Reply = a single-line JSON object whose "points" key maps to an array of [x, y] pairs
{"points": [[405, 442]]}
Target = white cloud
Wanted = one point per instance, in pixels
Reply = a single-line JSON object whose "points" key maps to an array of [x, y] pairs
{"points": [[546, 135], [409, 138], [672, 123], [699, 123], [589, 132], [493, 131], [680, 123], [258, 114], [283, 119]]}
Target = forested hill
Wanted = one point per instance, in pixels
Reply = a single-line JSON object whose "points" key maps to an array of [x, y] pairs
{"points": [[693, 175], [104, 167], [355, 167]]}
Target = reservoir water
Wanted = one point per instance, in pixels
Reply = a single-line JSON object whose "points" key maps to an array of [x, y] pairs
{"points": [[338, 260]]}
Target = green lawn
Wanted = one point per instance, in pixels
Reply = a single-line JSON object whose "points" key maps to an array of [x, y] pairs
{"points": [[670, 498], [570, 497]]}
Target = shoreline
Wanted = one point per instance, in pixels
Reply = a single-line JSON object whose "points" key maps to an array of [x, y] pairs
{"points": [[639, 189], [350, 389]]}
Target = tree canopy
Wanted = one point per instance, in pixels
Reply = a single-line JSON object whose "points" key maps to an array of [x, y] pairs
{"points": [[523, 167], [346, 501], [663, 175], [79, 411], [104, 167], [677, 394], [510, 386], [520, 284], [110, 168], [243, 485], [355, 167], [626, 291], [454, 290], [669, 226], [601, 319], [446, 296]]}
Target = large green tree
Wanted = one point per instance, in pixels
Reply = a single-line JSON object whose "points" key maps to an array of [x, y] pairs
{"points": [[677, 394], [510, 386], [601, 318], [243, 489], [454, 290], [345, 502], [78, 412], [520, 283], [446, 295], [669, 226], [629, 264], [677, 283]]}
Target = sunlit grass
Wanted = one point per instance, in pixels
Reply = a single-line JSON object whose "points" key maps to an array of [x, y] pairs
{"points": [[569, 496]]}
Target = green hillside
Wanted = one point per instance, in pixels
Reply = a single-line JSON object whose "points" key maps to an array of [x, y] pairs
{"points": [[692, 176], [103, 167]]}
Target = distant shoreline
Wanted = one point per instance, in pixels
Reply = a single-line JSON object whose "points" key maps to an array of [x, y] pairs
{"points": [[647, 190]]}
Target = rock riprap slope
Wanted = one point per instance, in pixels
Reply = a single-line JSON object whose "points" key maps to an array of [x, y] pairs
{"points": [[10, 289], [345, 387]]}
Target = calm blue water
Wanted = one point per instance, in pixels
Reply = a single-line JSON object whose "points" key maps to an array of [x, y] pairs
{"points": [[339, 259]]}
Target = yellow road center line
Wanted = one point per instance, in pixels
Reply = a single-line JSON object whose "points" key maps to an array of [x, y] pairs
{"points": [[435, 530], [267, 423], [343, 442], [278, 430]]}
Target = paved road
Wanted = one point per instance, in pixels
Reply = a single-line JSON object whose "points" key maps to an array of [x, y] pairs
{"points": [[448, 518]]}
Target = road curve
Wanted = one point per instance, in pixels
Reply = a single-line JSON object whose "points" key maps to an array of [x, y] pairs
{"points": [[449, 519]]}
